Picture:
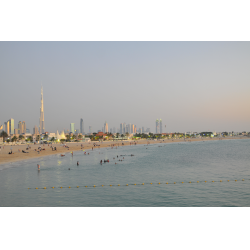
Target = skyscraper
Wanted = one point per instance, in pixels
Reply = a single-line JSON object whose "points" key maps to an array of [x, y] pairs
{"points": [[121, 128], [106, 128], [81, 126], [35, 130], [157, 126], [90, 129], [5, 127], [20, 127], [41, 122], [23, 127], [72, 127], [10, 126], [160, 126]]}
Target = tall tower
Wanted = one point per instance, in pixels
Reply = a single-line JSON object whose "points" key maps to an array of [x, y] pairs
{"points": [[160, 126], [41, 122], [106, 128], [81, 126], [157, 126], [72, 128]]}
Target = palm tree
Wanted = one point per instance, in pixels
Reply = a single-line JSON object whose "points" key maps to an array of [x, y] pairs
{"points": [[122, 136], [127, 134], [37, 137], [4, 135], [30, 138], [79, 136], [117, 135], [52, 139], [46, 137], [73, 137], [14, 139], [68, 137], [21, 137]]}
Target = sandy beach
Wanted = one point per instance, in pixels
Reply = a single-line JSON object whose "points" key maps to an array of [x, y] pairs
{"points": [[17, 155]]}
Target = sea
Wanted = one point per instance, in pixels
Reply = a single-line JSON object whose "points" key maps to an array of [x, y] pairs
{"points": [[179, 174]]}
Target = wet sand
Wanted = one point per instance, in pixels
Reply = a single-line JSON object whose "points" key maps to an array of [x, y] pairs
{"points": [[76, 146]]}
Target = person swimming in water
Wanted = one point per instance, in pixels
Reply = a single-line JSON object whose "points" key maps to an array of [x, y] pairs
{"points": [[77, 163], [38, 166]]}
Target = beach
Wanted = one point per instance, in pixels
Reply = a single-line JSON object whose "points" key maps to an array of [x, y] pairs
{"points": [[18, 155]]}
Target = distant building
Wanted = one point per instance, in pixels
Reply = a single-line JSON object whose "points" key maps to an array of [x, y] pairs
{"points": [[90, 129], [106, 128], [35, 130], [41, 121], [161, 126], [142, 129], [157, 130], [121, 128], [5, 127], [81, 126], [72, 127], [10, 124], [27, 130], [21, 127]]}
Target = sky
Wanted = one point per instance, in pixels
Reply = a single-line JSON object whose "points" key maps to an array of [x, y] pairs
{"points": [[191, 86]]}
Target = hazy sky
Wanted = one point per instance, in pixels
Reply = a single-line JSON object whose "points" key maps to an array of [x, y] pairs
{"points": [[191, 86]]}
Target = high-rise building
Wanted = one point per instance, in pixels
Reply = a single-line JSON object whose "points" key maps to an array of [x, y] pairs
{"points": [[114, 131], [142, 129], [72, 127], [16, 131], [19, 127], [157, 130], [5, 127], [10, 126], [121, 128], [41, 121], [81, 126], [35, 130], [133, 128], [160, 126], [23, 127], [106, 128], [90, 129]]}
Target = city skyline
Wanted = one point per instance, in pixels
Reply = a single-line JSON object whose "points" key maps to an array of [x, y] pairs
{"points": [[203, 85]]}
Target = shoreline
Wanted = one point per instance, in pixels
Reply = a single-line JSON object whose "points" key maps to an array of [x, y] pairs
{"points": [[18, 156]]}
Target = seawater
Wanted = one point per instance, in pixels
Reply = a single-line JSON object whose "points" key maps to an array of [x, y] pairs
{"points": [[173, 162]]}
